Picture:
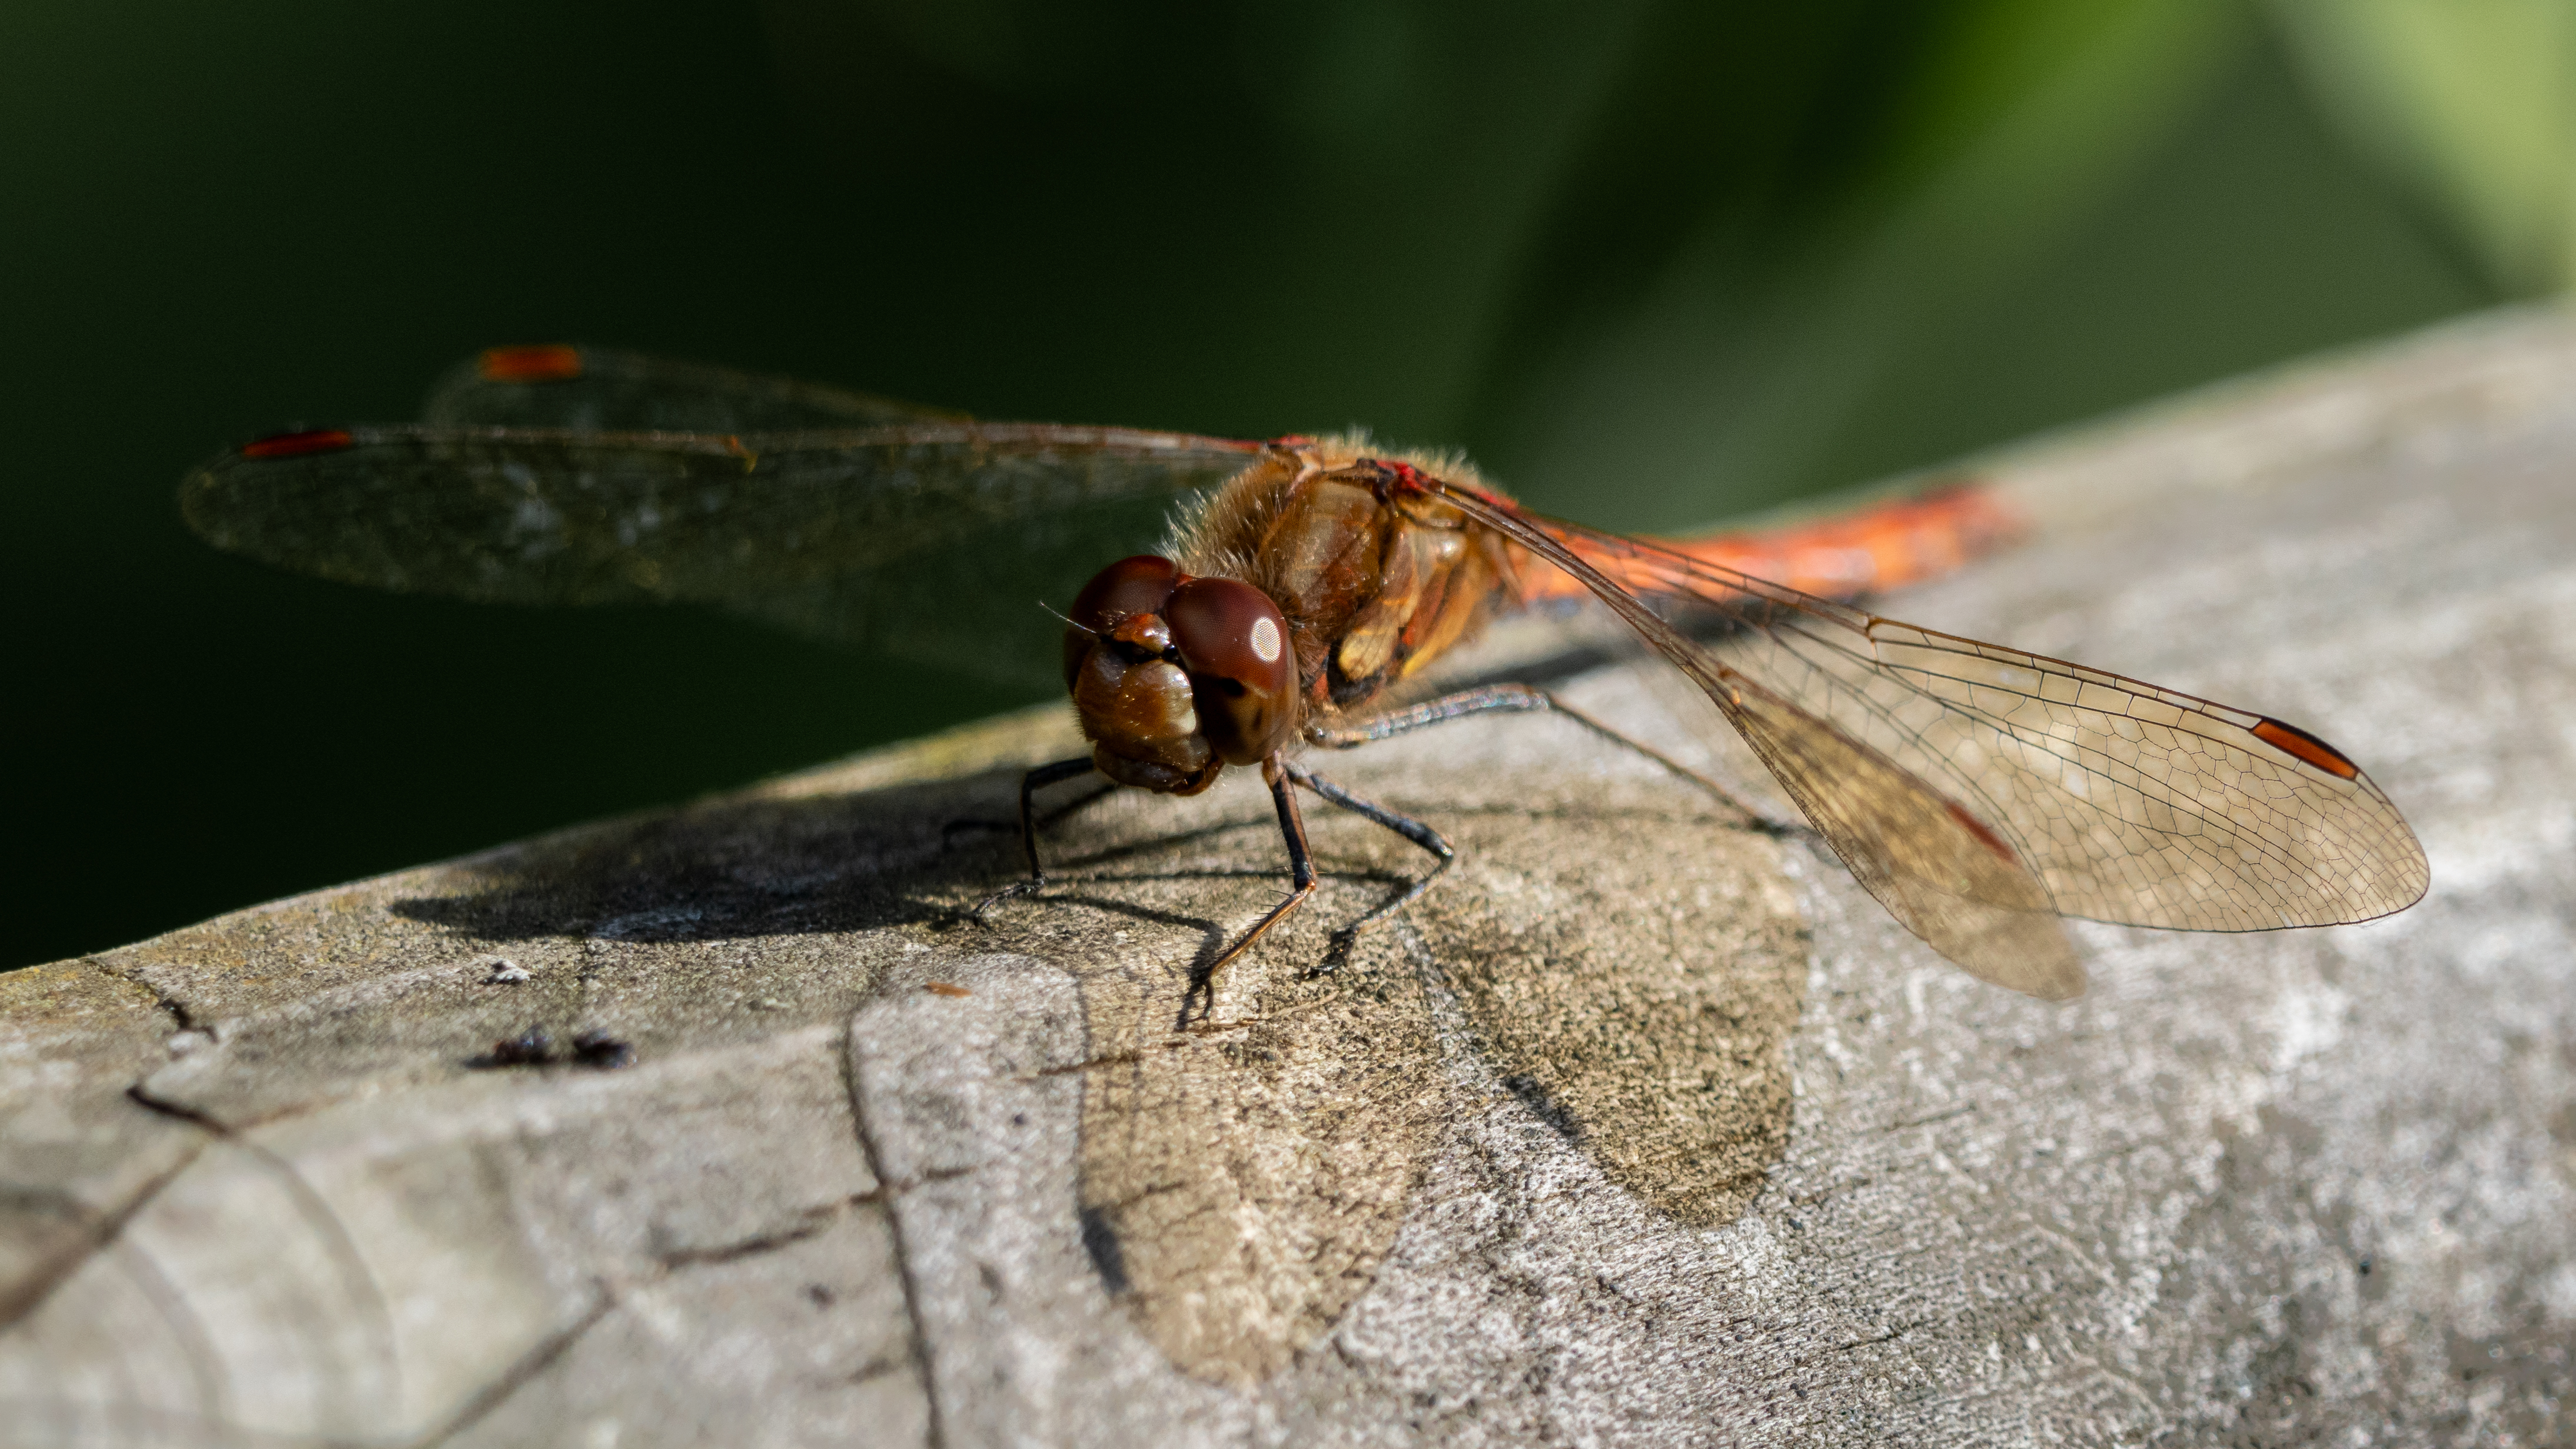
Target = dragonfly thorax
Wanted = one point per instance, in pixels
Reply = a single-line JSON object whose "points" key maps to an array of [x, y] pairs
{"points": [[1376, 574], [1175, 677]]}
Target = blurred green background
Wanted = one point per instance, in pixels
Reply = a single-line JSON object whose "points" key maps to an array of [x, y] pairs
{"points": [[1652, 263]]}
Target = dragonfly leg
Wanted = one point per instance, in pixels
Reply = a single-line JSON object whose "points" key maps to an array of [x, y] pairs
{"points": [[1030, 783], [1524, 699], [1405, 825], [1301, 874]]}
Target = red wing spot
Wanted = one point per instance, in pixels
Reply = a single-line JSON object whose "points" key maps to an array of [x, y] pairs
{"points": [[296, 445], [552, 362], [1979, 829], [2299, 745], [942, 988]]}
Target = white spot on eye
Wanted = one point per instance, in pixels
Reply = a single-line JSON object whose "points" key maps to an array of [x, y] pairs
{"points": [[1265, 640]]}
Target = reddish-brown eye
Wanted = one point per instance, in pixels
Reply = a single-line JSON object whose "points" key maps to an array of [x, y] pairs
{"points": [[1125, 589], [1243, 675]]}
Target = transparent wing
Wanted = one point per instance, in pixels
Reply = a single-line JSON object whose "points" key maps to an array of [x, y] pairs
{"points": [[602, 390], [936, 540], [1974, 789]]}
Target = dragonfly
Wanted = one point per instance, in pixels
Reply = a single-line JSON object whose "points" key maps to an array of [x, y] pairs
{"points": [[1982, 794]]}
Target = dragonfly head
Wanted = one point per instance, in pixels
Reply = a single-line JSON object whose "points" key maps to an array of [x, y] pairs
{"points": [[1176, 677]]}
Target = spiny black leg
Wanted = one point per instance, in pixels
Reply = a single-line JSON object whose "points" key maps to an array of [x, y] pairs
{"points": [[1277, 772], [1030, 783], [1411, 829], [1523, 699]]}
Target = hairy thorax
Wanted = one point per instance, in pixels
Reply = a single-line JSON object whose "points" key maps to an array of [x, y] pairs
{"points": [[1372, 587]]}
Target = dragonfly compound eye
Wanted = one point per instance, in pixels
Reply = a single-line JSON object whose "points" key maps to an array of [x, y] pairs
{"points": [[1234, 643], [1125, 589]]}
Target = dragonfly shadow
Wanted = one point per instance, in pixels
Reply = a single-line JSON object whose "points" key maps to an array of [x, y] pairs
{"points": [[729, 870], [1619, 968], [1199, 973], [1534, 1094], [921, 856], [1199, 998]]}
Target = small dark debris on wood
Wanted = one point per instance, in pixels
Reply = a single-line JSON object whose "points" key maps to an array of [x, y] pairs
{"points": [[529, 1048], [596, 1048]]}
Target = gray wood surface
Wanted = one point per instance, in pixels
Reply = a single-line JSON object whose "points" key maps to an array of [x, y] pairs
{"points": [[1642, 1130]]}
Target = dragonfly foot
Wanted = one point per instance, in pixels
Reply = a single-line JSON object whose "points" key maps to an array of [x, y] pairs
{"points": [[1013, 891]]}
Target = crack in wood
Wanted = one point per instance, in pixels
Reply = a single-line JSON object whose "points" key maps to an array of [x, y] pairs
{"points": [[328, 1229], [1928, 1121], [809, 1223], [95, 1231], [934, 1429], [522, 1371]]}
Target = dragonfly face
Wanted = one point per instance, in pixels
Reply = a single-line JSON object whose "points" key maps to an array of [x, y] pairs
{"points": [[1176, 677]]}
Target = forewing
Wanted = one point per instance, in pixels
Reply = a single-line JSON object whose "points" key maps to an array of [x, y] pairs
{"points": [[2128, 802], [601, 389], [939, 540]]}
